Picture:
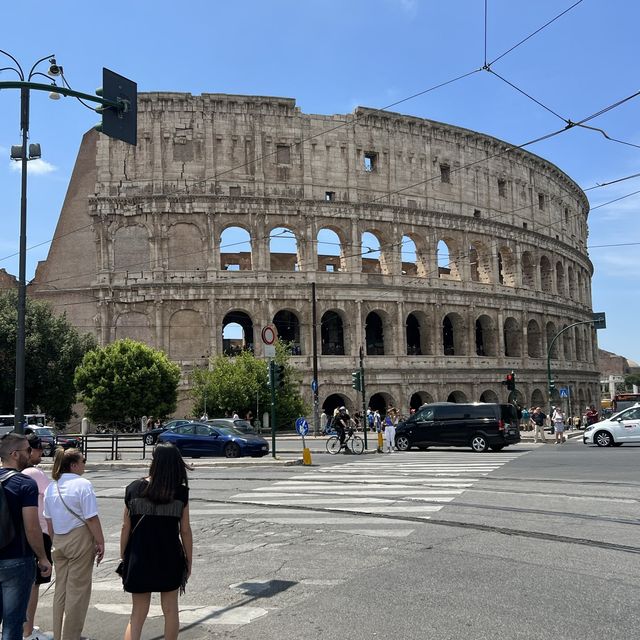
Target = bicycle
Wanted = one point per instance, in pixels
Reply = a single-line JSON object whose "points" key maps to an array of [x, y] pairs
{"points": [[352, 443]]}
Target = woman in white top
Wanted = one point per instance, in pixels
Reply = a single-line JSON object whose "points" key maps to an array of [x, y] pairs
{"points": [[71, 510], [558, 425]]}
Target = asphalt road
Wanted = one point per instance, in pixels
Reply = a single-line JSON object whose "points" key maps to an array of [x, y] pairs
{"points": [[537, 541]]}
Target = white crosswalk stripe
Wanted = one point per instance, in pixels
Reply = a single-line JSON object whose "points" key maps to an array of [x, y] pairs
{"points": [[409, 484]]}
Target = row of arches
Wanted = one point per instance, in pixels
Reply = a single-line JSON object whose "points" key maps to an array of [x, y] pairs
{"points": [[423, 334], [185, 248]]}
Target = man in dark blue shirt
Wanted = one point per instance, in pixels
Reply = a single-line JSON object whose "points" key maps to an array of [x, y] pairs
{"points": [[17, 566]]}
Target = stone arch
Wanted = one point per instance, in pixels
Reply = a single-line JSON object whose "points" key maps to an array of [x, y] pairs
{"points": [[546, 275], [288, 327], [486, 337], [185, 247], [235, 249], [528, 271], [330, 250], [413, 246], [453, 342], [506, 267], [374, 259], [551, 332], [237, 332], [134, 325], [534, 339], [579, 340], [283, 250], [381, 401], [560, 283], [488, 395], [512, 338], [447, 258], [418, 399], [375, 334], [334, 401], [538, 399], [480, 262], [567, 343], [457, 397], [416, 334], [332, 334], [571, 283], [188, 336], [131, 248]]}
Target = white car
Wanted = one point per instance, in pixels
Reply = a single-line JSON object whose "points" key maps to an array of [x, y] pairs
{"points": [[619, 428]]}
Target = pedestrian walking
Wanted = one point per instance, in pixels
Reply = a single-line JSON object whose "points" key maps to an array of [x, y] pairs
{"points": [[558, 425], [156, 543], [30, 631], [71, 510], [17, 565], [537, 419]]}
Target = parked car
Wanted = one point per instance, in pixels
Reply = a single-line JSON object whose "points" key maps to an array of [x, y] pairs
{"points": [[446, 424], [615, 431], [197, 439], [234, 423], [50, 440], [150, 437]]}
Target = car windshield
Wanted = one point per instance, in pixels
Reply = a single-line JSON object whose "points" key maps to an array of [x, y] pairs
{"points": [[42, 431]]}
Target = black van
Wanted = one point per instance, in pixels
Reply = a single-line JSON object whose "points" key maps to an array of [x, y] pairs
{"points": [[478, 425]]}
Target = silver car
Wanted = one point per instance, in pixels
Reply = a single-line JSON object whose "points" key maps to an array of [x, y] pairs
{"points": [[620, 428]]}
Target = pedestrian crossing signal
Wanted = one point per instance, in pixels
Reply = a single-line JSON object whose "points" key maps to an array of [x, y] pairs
{"points": [[356, 380], [510, 381]]}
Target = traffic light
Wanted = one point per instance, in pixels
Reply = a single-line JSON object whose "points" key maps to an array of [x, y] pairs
{"points": [[510, 381], [552, 384], [356, 380], [277, 375], [120, 123]]}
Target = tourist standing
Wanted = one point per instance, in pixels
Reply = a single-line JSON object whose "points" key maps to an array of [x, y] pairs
{"points": [[31, 632], [537, 418], [156, 543], [17, 566], [71, 510], [558, 425]]}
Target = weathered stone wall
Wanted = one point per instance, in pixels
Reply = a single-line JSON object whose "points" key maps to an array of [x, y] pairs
{"points": [[480, 255]]}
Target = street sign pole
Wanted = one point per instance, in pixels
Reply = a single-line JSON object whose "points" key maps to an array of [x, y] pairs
{"points": [[272, 385], [364, 401]]}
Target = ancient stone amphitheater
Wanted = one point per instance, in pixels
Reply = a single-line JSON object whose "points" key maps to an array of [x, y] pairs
{"points": [[449, 256]]}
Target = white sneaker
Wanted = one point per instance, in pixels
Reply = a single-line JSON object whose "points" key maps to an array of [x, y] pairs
{"points": [[36, 634]]}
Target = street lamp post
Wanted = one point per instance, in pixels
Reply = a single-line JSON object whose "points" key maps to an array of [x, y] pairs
{"points": [[119, 111]]}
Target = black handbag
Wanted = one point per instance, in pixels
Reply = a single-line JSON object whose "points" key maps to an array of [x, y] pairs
{"points": [[120, 567]]}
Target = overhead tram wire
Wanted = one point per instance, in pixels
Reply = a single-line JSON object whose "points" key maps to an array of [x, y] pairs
{"points": [[509, 148]]}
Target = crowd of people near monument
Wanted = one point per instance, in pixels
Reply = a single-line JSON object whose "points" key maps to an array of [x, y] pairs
{"points": [[54, 523]]}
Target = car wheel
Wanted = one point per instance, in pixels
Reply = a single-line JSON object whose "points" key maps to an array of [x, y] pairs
{"points": [[232, 450], [402, 443], [149, 439], [603, 439], [497, 447], [479, 443]]}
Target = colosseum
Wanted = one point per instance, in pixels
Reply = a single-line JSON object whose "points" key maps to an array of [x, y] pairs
{"points": [[448, 256]]}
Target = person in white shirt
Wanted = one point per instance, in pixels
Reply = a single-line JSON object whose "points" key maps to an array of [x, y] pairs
{"points": [[558, 425], [29, 631], [71, 510]]}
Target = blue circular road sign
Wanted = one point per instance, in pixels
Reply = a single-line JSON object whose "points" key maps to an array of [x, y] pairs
{"points": [[302, 426]]}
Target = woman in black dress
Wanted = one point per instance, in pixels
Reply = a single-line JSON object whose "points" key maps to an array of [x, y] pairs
{"points": [[156, 543]]}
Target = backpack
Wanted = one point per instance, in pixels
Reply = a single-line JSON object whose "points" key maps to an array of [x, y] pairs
{"points": [[7, 530]]}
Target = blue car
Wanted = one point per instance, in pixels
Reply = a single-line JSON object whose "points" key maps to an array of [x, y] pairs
{"points": [[196, 439]]}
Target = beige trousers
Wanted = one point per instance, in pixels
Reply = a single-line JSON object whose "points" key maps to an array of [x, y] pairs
{"points": [[73, 556]]}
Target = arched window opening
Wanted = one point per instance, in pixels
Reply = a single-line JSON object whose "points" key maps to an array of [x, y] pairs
{"points": [[283, 250], [380, 402], [330, 252], [453, 335], [372, 258], [332, 334], [567, 344], [457, 397], [506, 272], [528, 271], [409, 257], [374, 331], [485, 337], [489, 396], [446, 258], [335, 401], [546, 275], [512, 339], [235, 249], [288, 328], [551, 332], [534, 340], [571, 282], [537, 398], [418, 399], [473, 264], [560, 279], [414, 343], [237, 333]]}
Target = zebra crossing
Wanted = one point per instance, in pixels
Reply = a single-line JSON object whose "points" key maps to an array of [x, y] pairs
{"points": [[352, 496]]}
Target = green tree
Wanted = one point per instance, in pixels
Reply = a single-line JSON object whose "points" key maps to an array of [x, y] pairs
{"points": [[241, 383], [53, 350], [631, 379], [127, 380]]}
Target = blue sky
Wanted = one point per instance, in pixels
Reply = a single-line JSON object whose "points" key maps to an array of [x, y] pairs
{"points": [[333, 55]]}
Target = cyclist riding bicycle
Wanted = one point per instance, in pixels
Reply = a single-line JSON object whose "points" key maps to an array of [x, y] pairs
{"points": [[341, 423]]}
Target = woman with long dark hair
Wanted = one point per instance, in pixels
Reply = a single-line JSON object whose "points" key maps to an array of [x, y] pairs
{"points": [[156, 543], [71, 512]]}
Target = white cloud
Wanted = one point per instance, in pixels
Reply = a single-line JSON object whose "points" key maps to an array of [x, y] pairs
{"points": [[35, 167]]}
